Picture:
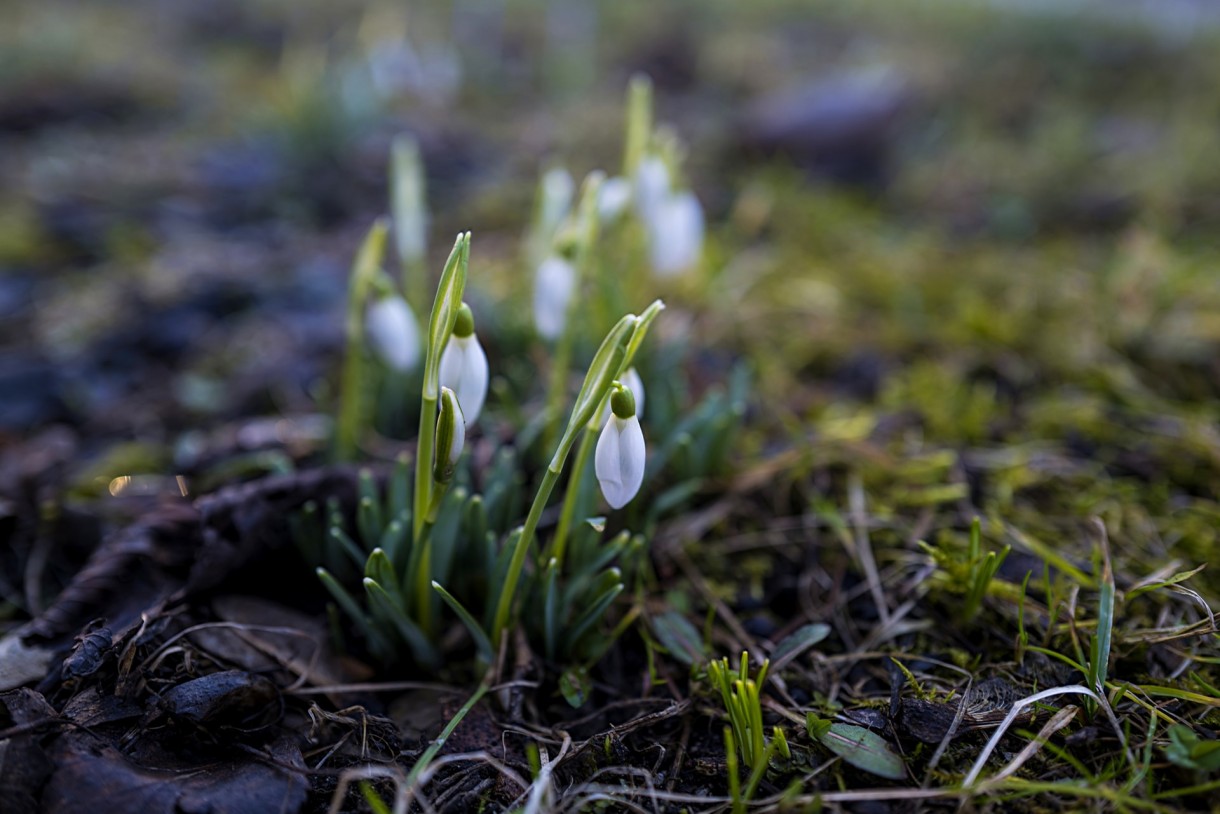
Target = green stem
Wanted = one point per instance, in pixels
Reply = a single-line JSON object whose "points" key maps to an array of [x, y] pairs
{"points": [[517, 563], [568, 514], [558, 380], [351, 406], [423, 461], [423, 576], [426, 758]]}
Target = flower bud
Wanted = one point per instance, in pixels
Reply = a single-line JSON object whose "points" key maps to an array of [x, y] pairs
{"points": [[553, 290], [450, 436]]}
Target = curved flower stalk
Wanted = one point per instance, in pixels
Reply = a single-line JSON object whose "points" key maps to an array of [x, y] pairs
{"points": [[553, 289], [675, 234], [393, 333], [619, 460], [464, 365]]}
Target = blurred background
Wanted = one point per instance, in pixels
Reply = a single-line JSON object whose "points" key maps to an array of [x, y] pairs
{"points": [[998, 216]]}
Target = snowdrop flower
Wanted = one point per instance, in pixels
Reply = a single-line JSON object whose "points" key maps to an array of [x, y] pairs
{"points": [[619, 459], [632, 381], [393, 332], [558, 189], [450, 436], [464, 365], [652, 185], [676, 234], [553, 290], [612, 198]]}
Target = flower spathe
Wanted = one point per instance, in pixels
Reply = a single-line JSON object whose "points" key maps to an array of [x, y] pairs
{"points": [[553, 289], [620, 456], [464, 368], [450, 436], [393, 333]]}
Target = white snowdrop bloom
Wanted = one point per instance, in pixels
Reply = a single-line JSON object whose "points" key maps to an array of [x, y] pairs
{"points": [[652, 184], [464, 366], [675, 235], [612, 198], [620, 456], [393, 333], [558, 189], [632, 381], [553, 289], [450, 436]]}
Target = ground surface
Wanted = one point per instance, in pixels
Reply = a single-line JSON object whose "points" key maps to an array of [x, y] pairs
{"points": [[966, 255]]}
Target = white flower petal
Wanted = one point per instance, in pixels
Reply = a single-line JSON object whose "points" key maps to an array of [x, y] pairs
{"points": [[464, 371], [558, 189], [553, 289], [619, 460], [652, 184], [632, 381], [613, 198], [393, 333], [676, 235]]}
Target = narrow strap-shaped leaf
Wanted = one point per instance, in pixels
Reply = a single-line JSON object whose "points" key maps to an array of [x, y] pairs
{"points": [[349, 547], [380, 569], [445, 534], [398, 490], [593, 613], [352, 608], [423, 651], [368, 522], [394, 541], [481, 642], [502, 561], [550, 610]]}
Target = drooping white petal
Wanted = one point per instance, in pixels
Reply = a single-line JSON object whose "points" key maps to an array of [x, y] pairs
{"points": [[652, 184], [464, 371], [612, 198], [393, 333], [632, 381], [619, 460], [558, 189], [675, 234], [553, 289]]}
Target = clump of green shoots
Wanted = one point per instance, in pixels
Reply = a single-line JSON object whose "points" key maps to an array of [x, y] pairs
{"points": [[745, 734], [406, 544], [969, 576]]}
